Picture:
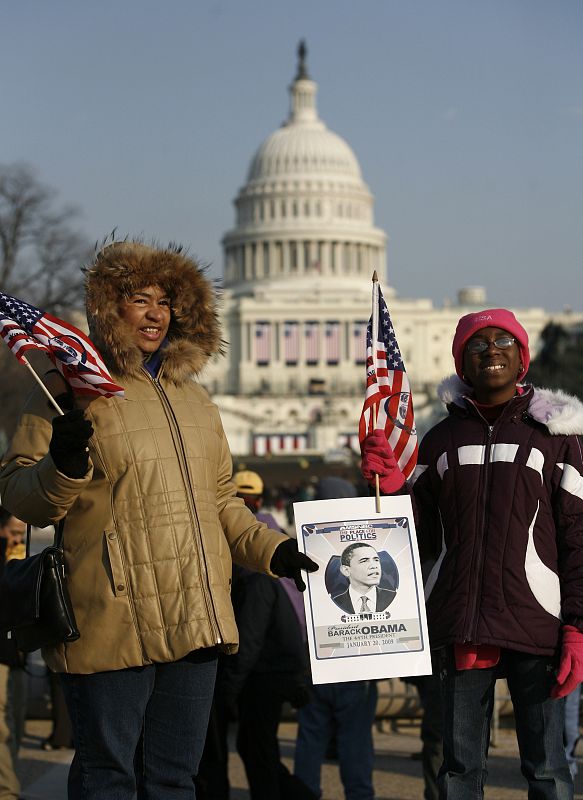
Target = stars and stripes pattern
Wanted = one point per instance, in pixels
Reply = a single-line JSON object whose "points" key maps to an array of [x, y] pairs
{"points": [[24, 327], [291, 337], [312, 342], [262, 343], [359, 342], [332, 342], [388, 393]]}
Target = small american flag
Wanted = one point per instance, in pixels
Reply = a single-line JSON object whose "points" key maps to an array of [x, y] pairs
{"points": [[387, 386], [24, 327]]}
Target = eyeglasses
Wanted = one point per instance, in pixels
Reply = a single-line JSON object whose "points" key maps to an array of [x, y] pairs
{"points": [[475, 346]]}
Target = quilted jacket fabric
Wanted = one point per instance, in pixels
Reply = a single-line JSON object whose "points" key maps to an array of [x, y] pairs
{"points": [[153, 525], [500, 519]]}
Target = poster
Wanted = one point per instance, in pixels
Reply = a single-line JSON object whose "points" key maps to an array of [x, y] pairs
{"points": [[365, 610]]}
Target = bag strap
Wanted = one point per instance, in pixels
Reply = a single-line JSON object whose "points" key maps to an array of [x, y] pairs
{"points": [[57, 539]]}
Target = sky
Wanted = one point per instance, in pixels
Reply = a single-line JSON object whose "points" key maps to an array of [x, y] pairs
{"points": [[466, 117]]}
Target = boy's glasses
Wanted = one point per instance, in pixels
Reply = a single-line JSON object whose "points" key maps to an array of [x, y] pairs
{"points": [[475, 346]]}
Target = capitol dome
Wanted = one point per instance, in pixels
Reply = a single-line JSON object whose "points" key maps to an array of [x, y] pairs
{"points": [[305, 148], [304, 145], [297, 298], [304, 209]]}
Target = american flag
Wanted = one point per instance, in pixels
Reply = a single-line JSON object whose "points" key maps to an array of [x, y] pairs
{"points": [[262, 343], [387, 388], [24, 327], [291, 342], [359, 342], [332, 342], [312, 342]]}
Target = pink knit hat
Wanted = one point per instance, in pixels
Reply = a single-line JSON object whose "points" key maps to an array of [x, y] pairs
{"points": [[490, 318]]}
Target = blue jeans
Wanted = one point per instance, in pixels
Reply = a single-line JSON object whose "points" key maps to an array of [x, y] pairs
{"points": [[572, 702], [347, 710], [468, 698], [140, 732]]}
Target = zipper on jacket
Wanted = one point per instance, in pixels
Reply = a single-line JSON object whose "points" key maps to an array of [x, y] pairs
{"points": [[472, 623], [471, 627], [182, 457]]}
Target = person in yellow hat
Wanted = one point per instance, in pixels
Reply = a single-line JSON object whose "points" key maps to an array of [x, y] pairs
{"points": [[250, 488]]}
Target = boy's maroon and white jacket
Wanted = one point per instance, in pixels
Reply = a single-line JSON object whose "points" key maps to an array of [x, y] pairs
{"points": [[500, 517]]}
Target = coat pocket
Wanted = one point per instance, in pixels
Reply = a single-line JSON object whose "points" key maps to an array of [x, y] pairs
{"points": [[118, 578]]}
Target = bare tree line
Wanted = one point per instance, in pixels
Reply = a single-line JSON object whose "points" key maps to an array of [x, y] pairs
{"points": [[41, 255], [41, 252]]}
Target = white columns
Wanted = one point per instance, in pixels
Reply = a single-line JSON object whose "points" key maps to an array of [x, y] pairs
{"points": [[300, 259], [247, 274], [259, 268], [285, 257]]}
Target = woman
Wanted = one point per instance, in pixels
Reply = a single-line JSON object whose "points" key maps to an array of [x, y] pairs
{"points": [[499, 500], [152, 521]]}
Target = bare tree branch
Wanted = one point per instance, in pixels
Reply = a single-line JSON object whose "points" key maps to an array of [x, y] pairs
{"points": [[40, 252]]}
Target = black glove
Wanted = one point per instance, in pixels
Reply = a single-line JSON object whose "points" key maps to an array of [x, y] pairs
{"points": [[287, 561], [69, 443]]}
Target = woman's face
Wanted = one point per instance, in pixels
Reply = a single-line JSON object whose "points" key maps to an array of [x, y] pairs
{"points": [[147, 312]]}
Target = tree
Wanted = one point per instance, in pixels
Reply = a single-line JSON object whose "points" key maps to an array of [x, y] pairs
{"points": [[41, 256], [40, 252], [559, 364]]}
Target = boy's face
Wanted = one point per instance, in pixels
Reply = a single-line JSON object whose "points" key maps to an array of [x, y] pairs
{"points": [[494, 370]]}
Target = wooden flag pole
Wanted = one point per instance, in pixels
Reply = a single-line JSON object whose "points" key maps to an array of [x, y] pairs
{"points": [[42, 386], [376, 477], [375, 337]]}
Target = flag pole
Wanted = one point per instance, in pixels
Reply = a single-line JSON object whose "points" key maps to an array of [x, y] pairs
{"points": [[377, 505], [375, 338], [41, 384]]}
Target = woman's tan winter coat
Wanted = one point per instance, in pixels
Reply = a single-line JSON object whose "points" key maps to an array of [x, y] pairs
{"points": [[153, 525]]}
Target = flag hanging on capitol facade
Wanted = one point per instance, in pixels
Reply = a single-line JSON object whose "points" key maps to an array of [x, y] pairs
{"points": [[24, 327], [291, 343], [262, 343], [388, 393]]}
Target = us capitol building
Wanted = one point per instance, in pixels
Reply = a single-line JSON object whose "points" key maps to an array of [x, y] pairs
{"points": [[297, 297]]}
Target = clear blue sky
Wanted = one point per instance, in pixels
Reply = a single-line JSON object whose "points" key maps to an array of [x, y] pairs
{"points": [[466, 117]]}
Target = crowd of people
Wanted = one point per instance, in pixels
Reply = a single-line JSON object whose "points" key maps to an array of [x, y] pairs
{"points": [[187, 593]]}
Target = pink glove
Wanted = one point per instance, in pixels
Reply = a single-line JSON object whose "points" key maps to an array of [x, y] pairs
{"points": [[378, 459], [570, 672]]}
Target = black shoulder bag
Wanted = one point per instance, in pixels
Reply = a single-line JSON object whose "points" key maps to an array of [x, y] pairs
{"points": [[34, 600]]}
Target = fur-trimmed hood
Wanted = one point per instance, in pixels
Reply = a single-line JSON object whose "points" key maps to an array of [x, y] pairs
{"points": [[561, 413], [122, 268]]}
